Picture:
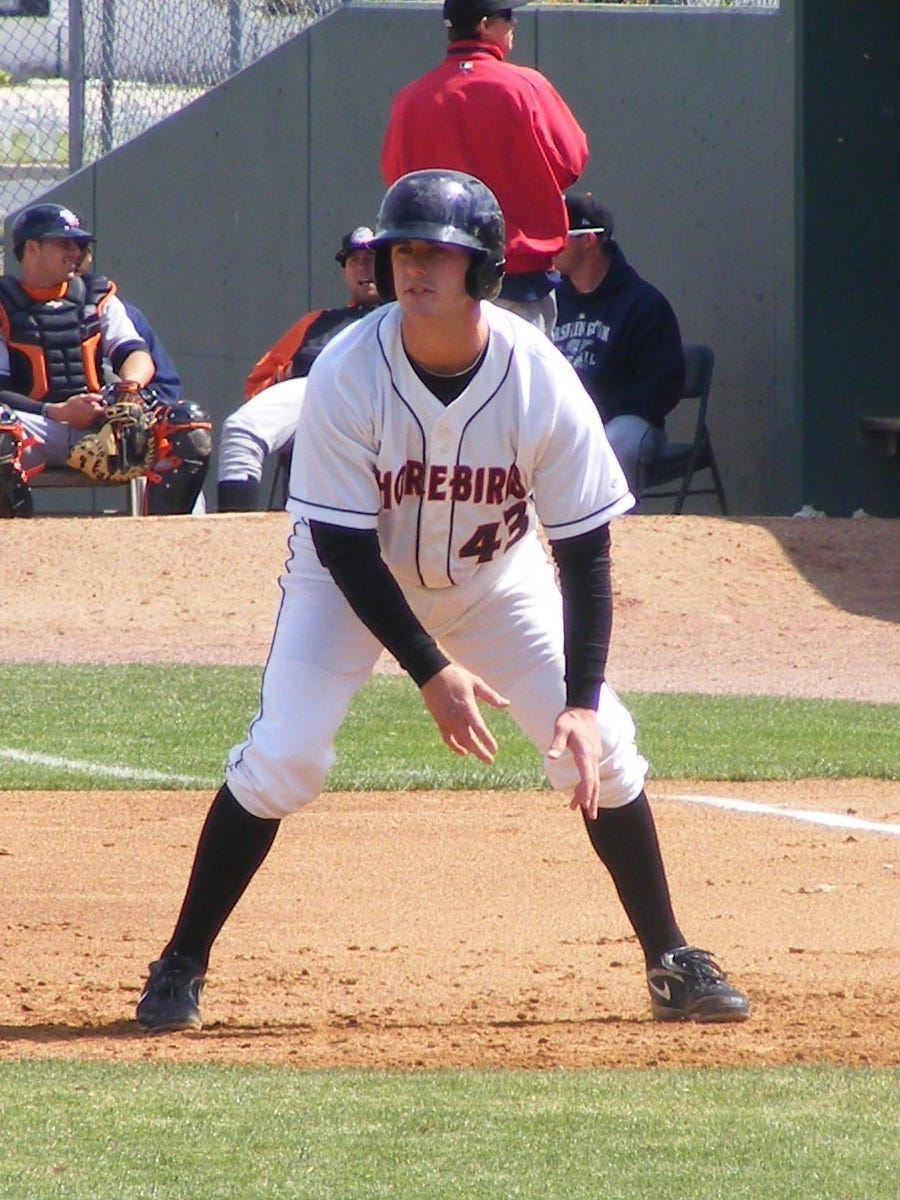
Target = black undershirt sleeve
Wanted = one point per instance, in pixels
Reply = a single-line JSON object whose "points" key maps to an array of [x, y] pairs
{"points": [[120, 353], [353, 556], [584, 577]]}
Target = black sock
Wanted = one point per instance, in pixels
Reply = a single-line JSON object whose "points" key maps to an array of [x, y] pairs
{"points": [[626, 842], [232, 846], [237, 495]]}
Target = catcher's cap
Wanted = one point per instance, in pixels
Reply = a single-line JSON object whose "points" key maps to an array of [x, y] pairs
{"points": [[587, 215], [360, 238], [461, 14], [42, 221]]}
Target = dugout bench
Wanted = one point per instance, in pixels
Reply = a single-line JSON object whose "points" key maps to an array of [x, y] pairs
{"points": [[67, 477]]}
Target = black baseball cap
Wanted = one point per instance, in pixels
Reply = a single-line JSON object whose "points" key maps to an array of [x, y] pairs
{"points": [[460, 14], [587, 215], [360, 238], [42, 222]]}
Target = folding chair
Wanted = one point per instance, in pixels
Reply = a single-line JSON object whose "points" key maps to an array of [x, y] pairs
{"points": [[68, 477], [682, 460]]}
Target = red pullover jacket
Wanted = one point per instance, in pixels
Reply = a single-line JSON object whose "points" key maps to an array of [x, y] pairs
{"points": [[503, 123]]}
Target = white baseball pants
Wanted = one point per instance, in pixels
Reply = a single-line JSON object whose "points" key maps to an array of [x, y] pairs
{"points": [[506, 626]]}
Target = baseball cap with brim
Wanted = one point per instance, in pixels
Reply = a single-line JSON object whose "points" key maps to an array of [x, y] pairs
{"points": [[360, 238], [587, 215], [462, 13]]}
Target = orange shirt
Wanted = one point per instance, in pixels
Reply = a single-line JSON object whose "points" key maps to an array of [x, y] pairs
{"points": [[271, 367]]}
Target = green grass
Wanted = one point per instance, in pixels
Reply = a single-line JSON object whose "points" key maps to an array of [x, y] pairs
{"points": [[94, 1131], [123, 727]]}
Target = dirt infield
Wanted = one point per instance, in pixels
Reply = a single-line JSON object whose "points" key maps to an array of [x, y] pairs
{"points": [[465, 929]]}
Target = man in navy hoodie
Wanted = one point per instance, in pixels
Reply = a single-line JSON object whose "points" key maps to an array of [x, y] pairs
{"points": [[621, 336]]}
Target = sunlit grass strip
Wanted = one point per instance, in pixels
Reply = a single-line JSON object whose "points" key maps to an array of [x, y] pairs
{"points": [[92, 1131], [85, 727]]}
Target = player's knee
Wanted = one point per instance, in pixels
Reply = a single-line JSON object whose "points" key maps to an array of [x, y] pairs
{"points": [[278, 787], [622, 776]]}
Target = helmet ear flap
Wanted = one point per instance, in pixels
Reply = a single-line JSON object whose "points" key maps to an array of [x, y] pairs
{"points": [[484, 277], [384, 272]]}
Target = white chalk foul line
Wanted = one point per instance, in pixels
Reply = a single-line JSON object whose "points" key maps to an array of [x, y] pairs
{"points": [[837, 820], [91, 768]]}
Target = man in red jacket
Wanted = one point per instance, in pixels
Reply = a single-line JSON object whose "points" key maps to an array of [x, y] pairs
{"points": [[504, 124]]}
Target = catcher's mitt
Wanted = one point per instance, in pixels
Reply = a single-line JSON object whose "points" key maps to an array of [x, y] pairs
{"points": [[126, 444]]}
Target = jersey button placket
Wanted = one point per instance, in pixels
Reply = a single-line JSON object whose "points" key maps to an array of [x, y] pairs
{"points": [[436, 517]]}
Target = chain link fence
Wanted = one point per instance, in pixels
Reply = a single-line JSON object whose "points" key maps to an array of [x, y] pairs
{"points": [[79, 77]]}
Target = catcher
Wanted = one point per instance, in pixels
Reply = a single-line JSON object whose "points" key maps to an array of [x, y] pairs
{"points": [[58, 326]]}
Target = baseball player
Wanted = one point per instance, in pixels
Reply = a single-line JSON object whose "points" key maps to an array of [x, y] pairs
{"points": [[60, 327], [265, 423], [433, 437], [55, 329]]}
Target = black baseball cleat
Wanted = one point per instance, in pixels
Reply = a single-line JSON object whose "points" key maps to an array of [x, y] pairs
{"points": [[686, 984], [169, 1002]]}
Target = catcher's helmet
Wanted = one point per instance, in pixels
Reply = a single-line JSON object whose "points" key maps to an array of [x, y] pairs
{"points": [[443, 206], [47, 221]]}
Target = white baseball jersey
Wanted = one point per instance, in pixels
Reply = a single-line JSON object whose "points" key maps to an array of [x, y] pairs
{"points": [[451, 488]]}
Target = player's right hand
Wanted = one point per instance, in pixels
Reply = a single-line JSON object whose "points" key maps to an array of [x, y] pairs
{"points": [[575, 730], [81, 411], [451, 697]]}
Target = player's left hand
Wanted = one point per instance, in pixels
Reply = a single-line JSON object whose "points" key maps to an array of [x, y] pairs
{"points": [[575, 729], [451, 697]]}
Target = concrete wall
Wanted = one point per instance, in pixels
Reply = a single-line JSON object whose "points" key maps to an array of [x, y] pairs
{"points": [[222, 223]]}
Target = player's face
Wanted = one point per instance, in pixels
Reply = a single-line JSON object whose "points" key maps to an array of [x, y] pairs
{"points": [[429, 277], [359, 275], [572, 253], [500, 30], [54, 260]]}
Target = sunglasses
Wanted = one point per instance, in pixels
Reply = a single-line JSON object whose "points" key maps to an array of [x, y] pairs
{"points": [[503, 14]]}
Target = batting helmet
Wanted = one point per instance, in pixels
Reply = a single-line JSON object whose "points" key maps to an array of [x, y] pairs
{"points": [[443, 206], [42, 221]]}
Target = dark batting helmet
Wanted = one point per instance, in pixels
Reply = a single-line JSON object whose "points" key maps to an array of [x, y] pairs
{"points": [[448, 207], [42, 221]]}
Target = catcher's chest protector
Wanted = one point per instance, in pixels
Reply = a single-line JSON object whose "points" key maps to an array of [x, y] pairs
{"points": [[326, 326], [54, 346]]}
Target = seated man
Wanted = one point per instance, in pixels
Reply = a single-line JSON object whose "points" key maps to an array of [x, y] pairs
{"points": [[265, 423], [621, 336], [56, 329], [64, 332]]}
